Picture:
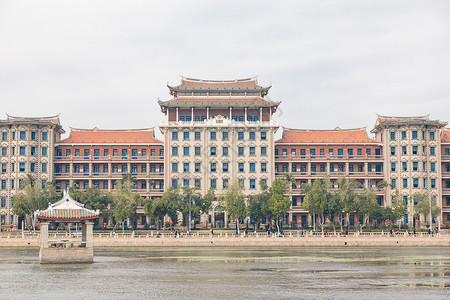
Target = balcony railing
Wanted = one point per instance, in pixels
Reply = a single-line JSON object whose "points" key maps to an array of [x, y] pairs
{"points": [[328, 157], [110, 158]]}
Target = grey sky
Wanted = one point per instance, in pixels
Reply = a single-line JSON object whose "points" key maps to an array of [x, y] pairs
{"points": [[332, 63]]}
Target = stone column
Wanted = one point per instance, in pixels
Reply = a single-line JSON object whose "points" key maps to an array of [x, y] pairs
{"points": [[87, 234], [44, 234]]}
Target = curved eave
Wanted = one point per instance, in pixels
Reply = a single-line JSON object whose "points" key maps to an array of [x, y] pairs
{"points": [[387, 124], [67, 220]]}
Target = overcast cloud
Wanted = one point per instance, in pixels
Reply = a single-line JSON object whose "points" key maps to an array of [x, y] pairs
{"points": [[332, 63]]}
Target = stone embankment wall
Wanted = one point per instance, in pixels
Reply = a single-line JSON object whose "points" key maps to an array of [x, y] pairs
{"points": [[251, 241]]}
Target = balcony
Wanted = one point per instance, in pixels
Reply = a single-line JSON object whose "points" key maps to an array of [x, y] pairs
{"points": [[108, 158], [309, 157]]}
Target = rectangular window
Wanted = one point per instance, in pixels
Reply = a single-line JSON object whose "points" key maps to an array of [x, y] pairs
{"points": [[241, 167], [124, 152], [358, 151], [33, 135], [225, 167], [13, 135], [414, 134], [252, 167], [415, 150], [182, 118], [433, 182], [392, 150], [241, 183], [302, 152], [225, 135], [284, 152], [432, 150], [86, 152], [152, 152], [392, 166], [404, 166], [4, 136], [252, 184], [263, 167], [240, 151], [252, 151], [3, 202], [240, 135], [368, 151], [263, 135], [447, 151], [251, 136], [105, 152], [213, 167], [185, 167], [404, 150], [96, 152], [32, 151], [197, 118], [174, 135], [415, 166], [241, 118], [340, 152], [378, 151], [405, 183], [415, 183], [144, 168], [322, 151], [392, 135], [197, 183], [197, 151], [44, 168], [197, 135], [394, 183], [175, 183], [174, 167], [22, 135], [22, 150], [224, 183], [186, 135], [432, 167], [3, 167], [432, 135], [350, 153], [186, 151], [115, 152], [174, 151], [44, 136], [22, 167], [403, 135], [134, 152], [312, 152], [263, 151], [225, 151], [197, 167], [212, 135], [293, 152], [213, 183]]}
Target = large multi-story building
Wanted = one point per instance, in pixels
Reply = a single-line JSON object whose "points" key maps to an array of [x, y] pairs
{"points": [[219, 131], [99, 158], [27, 147], [412, 156], [310, 154]]}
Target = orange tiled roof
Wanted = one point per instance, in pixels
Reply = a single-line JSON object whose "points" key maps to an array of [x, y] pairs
{"points": [[336, 136], [95, 136], [195, 84], [383, 119], [445, 135]]}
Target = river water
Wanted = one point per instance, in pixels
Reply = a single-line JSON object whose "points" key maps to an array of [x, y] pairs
{"points": [[232, 273]]}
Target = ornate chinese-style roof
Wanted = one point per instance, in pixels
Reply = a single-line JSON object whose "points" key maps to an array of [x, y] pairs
{"points": [[67, 209], [335, 136], [191, 85], [52, 120], [122, 136], [385, 121]]}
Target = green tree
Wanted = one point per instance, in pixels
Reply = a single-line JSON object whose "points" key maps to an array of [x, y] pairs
{"points": [[125, 201], [157, 208], [425, 205], [279, 203], [367, 205], [205, 202], [31, 197], [257, 204], [189, 202], [316, 198], [399, 208], [94, 198], [234, 203]]}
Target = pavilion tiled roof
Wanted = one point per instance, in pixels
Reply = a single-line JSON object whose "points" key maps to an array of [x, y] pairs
{"points": [[35, 120], [219, 101], [336, 136], [202, 84], [67, 209], [383, 121], [123, 136]]}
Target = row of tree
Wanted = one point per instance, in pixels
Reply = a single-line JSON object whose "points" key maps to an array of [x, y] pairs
{"points": [[325, 203]]}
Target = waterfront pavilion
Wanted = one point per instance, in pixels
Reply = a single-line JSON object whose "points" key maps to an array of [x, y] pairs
{"points": [[68, 249]]}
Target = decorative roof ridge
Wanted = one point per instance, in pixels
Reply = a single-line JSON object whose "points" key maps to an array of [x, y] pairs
{"points": [[253, 78], [96, 129], [13, 118], [410, 117], [326, 130]]}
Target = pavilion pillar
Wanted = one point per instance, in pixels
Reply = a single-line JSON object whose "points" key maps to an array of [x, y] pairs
{"points": [[44, 234], [87, 234]]}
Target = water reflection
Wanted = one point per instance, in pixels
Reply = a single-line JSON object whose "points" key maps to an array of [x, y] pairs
{"points": [[192, 273]]}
